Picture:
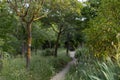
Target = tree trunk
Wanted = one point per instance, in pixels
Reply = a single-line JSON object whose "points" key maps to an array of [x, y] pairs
{"points": [[29, 39], [56, 44]]}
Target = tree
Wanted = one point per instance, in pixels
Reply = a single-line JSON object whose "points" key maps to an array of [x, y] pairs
{"points": [[42, 36], [62, 16], [6, 28], [103, 28], [28, 11]]}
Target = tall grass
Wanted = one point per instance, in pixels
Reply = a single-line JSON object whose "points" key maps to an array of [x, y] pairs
{"points": [[90, 68], [41, 68]]}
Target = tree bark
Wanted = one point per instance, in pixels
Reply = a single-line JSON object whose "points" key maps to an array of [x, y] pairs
{"points": [[29, 39]]}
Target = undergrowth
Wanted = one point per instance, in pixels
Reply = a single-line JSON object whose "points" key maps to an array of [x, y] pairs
{"points": [[90, 68], [41, 68]]}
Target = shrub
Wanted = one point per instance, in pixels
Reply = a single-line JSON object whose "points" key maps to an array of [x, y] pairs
{"points": [[83, 51], [91, 68], [83, 55], [13, 71], [60, 62], [94, 70], [41, 68], [106, 71], [48, 52], [117, 49]]}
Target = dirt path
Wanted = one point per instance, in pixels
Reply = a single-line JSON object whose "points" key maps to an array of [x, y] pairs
{"points": [[61, 74]]}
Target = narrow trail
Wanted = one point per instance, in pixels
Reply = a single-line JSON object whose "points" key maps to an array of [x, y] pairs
{"points": [[61, 74]]}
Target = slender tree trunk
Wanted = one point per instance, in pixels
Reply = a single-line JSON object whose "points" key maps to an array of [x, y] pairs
{"points": [[56, 44], [29, 39]]}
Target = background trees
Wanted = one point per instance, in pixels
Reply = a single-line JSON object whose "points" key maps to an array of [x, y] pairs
{"points": [[63, 17], [38, 26], [65, 22], [28, 11], [7, 30]]}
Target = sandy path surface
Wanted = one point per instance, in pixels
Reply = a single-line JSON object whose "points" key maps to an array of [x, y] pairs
{"points": [[61, 74]]}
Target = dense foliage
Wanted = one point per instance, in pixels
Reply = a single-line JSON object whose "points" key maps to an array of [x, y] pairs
{"points": [[103, 29], [42, 68], [100, 60], [89, 67], [34, 30]]}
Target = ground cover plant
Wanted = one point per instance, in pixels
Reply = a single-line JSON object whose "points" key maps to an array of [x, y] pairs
{"points": [[90, 68], [42, 67]]}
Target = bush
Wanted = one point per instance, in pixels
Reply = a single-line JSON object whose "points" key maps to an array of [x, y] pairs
{"points": [[92, 69], [60, 62], [78, 53], [41, 68], [102, 31], [83, 51], [48, 52], [13, 71], [82, 54]]}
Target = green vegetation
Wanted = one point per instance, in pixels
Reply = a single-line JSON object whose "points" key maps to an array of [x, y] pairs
{"points": [[90, 68], [37, 35], [42, 68], [103, 28]]}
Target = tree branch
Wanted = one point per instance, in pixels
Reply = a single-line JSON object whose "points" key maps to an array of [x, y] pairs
{"points": [[26, 12], [39, 17], [14, 7], [54, 29]]}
